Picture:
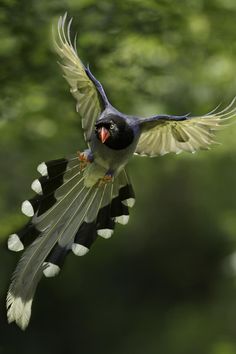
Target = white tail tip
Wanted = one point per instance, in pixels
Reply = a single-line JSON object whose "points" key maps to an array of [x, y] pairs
{"points": [[42, 169], [18, 310], [27, 208], [123, 219], [50, 270], [105, 233], [129, 202], [79, 250], [14, 243], [36, 187]]}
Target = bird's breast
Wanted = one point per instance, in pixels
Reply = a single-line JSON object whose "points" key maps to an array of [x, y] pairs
{"points": [[109, 158]]}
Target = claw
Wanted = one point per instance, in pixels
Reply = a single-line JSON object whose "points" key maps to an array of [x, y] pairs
{"points": [[105, 179], [84, 159]]}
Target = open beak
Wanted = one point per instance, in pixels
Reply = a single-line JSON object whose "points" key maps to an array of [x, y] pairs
{"points": [[103, 134]]}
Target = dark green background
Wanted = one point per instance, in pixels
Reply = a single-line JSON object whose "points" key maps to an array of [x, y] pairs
{"points": [[166, 282]]}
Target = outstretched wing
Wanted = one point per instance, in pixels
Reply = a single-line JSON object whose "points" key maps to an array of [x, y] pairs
{"points": [[165, 133], [88, 92]]}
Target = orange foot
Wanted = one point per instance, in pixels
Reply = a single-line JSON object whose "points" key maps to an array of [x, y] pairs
{"points": [[83, 159], [106, 179]]}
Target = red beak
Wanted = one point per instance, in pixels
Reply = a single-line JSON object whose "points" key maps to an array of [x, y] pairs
{"points": [[103, 134]]}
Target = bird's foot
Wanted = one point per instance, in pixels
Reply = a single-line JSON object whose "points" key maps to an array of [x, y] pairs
{"points": [[106, 179], [84, 158]]}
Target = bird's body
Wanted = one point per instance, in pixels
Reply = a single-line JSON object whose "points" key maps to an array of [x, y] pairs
{"points": [[115, 153], [108, 158], [82, 197]]}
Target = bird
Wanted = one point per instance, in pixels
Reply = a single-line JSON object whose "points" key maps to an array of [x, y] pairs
{"points": [[83, 196]]}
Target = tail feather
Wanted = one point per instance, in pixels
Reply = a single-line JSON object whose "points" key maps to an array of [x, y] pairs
{"points": [[67, 216], [30, 269], [55, 260], [126, 193], [118, 208], [30, 206], [46, 186], [86, 234], [23, 286], [53, 168], [42, 221], [77, 214], [105, 223], [43, 185], [23, 237]]}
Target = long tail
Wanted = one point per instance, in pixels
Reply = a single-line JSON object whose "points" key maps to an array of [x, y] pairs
{"points": [[65, 216]]}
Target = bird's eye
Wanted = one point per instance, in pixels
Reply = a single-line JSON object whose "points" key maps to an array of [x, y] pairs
{"points": [[112, 126]]}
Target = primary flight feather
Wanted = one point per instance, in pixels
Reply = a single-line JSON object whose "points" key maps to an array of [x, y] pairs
{"points": [[82, 197]]}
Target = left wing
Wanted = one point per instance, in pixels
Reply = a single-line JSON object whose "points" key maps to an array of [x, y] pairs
{"points": [[86, 89], [162, 134]]}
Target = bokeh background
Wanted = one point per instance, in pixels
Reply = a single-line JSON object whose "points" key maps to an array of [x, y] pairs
{"points": [[166, 282]]}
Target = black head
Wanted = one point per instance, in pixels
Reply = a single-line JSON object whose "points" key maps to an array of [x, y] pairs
{"points": [[114, 132]]}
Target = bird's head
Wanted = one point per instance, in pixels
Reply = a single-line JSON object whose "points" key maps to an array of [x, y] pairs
{"points": [[115, 132]]}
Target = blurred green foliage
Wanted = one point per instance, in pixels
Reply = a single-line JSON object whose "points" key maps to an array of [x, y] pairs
{"points": [[166, 283]]}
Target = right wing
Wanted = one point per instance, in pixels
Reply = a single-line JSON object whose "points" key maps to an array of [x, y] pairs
{"points": [[87, 90], [163, 134]]}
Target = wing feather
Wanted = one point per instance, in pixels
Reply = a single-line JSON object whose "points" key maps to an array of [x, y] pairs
{"points": [[88, 92], [164, 134]]}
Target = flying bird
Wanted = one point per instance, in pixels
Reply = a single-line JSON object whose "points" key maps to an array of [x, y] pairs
{"points": [[84, 196]]}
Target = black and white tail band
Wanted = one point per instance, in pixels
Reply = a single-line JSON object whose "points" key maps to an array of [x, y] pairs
{"points": [[55, 174]]}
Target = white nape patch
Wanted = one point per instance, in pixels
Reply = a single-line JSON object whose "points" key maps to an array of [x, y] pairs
{"points": [[42, 169], [18, 310], [50, 270], [27, 208], [36, 187], [14, 243], [123, 219], [129, 202], [105, 233], [79, 250]]}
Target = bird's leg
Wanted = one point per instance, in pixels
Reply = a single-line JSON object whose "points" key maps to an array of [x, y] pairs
{"points": [[85, 157], [107, 178]]}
